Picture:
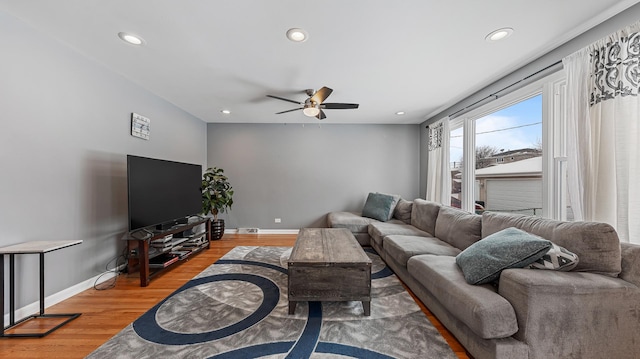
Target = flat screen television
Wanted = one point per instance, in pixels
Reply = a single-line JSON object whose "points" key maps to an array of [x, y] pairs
{"points": [[162, 193]]}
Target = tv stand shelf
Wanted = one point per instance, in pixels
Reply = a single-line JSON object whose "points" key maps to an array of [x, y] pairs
{"points": [[147, 254]]}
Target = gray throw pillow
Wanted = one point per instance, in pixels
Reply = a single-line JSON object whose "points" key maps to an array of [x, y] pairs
{"points": [[483, 261], [379, 206], [403, 211]]}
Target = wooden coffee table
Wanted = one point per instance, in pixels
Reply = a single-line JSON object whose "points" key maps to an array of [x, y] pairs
{"points": [[328, 264]]}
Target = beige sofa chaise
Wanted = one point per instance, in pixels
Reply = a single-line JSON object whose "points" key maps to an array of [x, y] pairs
{"points": [[592, 311]]}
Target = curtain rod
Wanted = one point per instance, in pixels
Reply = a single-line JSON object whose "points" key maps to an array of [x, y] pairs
{"points": [[495, 96]]}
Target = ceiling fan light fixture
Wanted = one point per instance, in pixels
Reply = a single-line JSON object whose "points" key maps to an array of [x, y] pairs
{"points": [[297, 35], [499, 34], [311, 111], [131, 39]]}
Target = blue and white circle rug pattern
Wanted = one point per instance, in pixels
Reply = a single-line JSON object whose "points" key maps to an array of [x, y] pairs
{"points": [[238, 308]]}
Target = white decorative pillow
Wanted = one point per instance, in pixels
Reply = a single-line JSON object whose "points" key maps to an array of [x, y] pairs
{"points": [[557, 258]]}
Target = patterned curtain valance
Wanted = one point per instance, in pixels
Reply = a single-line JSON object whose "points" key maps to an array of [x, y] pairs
{"points": [[602, 86], [615, 70], [435, 136]]}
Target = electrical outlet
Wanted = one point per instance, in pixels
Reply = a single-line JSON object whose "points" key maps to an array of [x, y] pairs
{"points": [[278, 220]]}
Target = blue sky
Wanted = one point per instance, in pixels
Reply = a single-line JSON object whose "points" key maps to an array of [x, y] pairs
{"points": [[497, 129]]}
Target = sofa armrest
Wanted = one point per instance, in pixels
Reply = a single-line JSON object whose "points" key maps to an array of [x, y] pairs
{"points": [[630, 263], [573, 314]]}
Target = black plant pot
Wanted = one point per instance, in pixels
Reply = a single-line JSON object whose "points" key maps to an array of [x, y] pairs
{"points": [[217, 229]]}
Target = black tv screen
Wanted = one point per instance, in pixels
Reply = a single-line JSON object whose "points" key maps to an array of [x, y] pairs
{"points": [[162, 192]]}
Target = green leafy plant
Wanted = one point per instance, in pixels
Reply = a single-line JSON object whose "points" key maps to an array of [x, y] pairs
{"points": [[217, 193]]}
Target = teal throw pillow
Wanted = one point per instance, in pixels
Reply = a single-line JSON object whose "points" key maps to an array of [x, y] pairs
{"points": [[483, 261], [379, 206]]}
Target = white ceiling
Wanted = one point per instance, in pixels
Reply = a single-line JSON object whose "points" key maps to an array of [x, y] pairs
{"points": [[417, 56]]}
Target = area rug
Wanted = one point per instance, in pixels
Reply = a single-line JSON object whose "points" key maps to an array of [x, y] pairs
{"points": [[238, 308]]}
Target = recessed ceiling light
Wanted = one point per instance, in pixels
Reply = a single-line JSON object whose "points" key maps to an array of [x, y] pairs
{"points": [[226, 112], [297, 35], [131, 39], [499, 34], [400, 113]]}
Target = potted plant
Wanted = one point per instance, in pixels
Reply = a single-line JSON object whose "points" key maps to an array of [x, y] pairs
{"points": [[217, 197]]}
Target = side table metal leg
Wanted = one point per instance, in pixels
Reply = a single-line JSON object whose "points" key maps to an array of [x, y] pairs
{"points": [[41, 283], [2, 292], [12, 290]]}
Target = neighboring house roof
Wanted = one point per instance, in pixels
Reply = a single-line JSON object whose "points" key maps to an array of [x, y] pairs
{"points": [[515, 152], [529, 167]]}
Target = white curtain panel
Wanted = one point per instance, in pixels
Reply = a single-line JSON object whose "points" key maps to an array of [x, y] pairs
{"points": [[603, 132], [438, 168]]}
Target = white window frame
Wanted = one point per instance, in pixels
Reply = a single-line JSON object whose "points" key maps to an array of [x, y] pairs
{"points": [[552, 88]]}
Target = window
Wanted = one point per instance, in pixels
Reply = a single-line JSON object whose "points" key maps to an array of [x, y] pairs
{"points": [[513, 136], [507, 156]]}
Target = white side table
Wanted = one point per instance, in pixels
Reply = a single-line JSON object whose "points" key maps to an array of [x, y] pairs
{"points": [[36, 247]]}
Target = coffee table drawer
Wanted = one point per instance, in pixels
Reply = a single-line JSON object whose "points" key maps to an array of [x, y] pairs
{"points": [[330, 283]]}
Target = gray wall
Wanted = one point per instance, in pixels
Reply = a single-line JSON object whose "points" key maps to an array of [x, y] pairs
{"points": [[300, 173], [65, 133], [610, 26]]}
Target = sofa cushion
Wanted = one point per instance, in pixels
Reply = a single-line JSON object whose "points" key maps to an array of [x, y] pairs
{"points": [[596, 244], [457, 227], [403, 211], [379, 230], [484, 311], [424, 214], [483, 261], [401, 248], [380, 206], [352, 221], [556, 258]]}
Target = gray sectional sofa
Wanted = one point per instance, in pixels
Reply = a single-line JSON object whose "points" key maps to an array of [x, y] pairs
{"points": [[592, 311]]}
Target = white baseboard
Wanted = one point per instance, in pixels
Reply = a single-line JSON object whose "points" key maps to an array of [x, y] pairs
{"points": [[265, 231], [279, 231], [34, 308]]}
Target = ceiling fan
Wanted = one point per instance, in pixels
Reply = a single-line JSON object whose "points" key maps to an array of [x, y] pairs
{"points": [[314, 105]]}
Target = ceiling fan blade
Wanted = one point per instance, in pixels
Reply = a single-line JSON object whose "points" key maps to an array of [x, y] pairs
{"points": [[321, 95], [321, 115], [295, 109], [339, 106], [284, 99]]}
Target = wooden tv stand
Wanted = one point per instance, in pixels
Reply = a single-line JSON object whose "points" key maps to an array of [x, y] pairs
{"points": [[140, 250]]}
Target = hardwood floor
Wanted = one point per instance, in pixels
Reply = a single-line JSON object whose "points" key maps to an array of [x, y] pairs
{"points": [[106, 312]]}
